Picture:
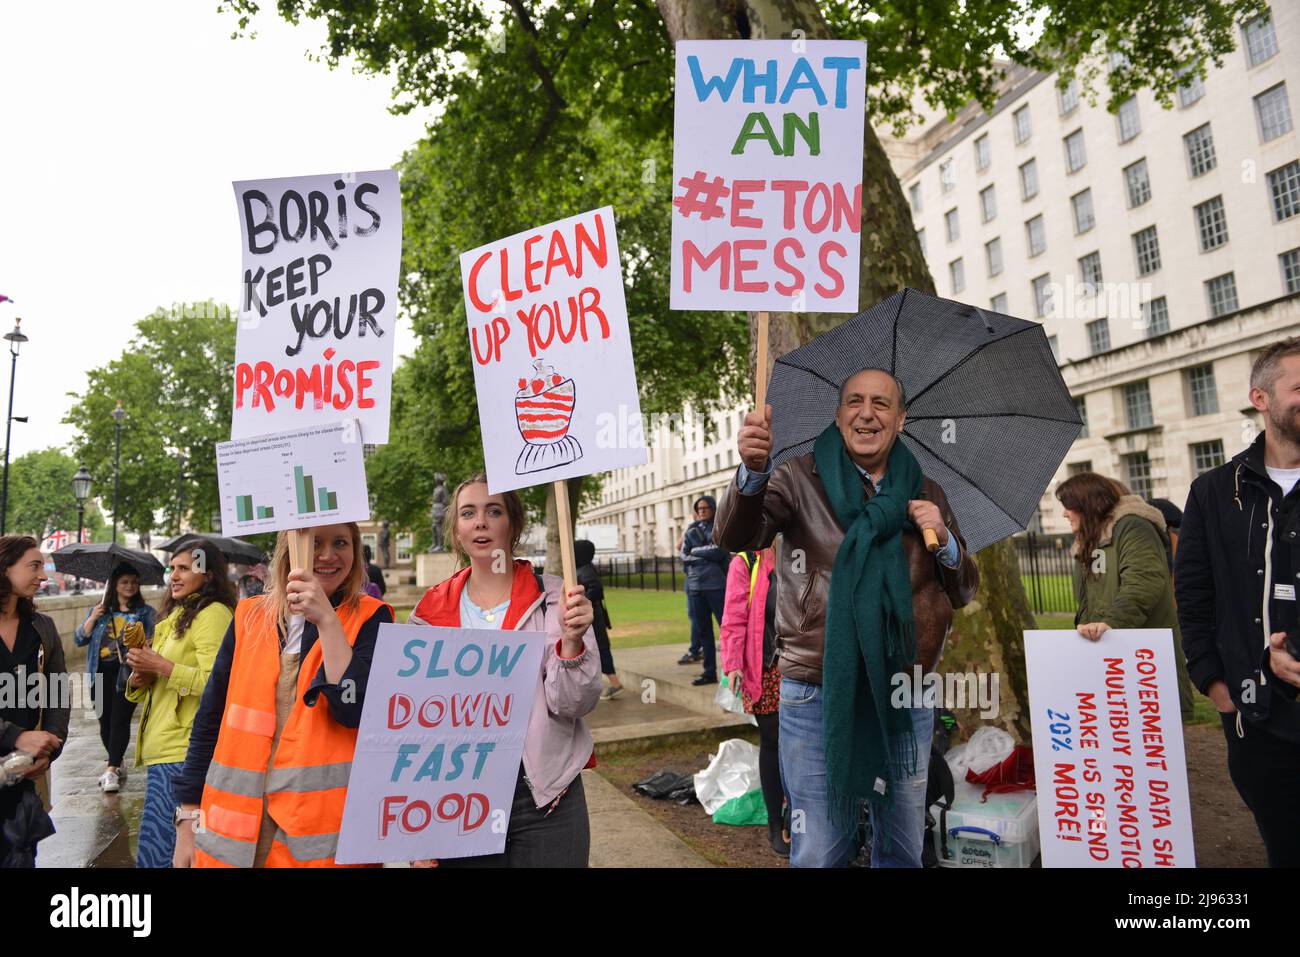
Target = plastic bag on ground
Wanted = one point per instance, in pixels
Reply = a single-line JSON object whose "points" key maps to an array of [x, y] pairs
{"points": [[729, 700], [748, 809], [732, 772], [987, 747]]}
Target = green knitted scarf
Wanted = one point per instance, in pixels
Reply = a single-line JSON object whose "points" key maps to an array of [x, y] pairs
{"points": [[869, 631]]}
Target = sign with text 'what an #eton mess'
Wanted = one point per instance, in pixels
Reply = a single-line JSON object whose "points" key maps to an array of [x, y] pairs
{"points": [[552, 353], [767, 175]]}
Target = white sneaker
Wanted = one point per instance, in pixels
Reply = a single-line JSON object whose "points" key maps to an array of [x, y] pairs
{"points": [[110, 782]]}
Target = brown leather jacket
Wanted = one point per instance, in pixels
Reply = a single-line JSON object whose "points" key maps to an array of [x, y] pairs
{"points": [[794, 504]]}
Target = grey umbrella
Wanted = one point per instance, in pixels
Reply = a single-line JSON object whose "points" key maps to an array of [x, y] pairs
{"points": [[96, 562], [988, 415], [236, 550]]}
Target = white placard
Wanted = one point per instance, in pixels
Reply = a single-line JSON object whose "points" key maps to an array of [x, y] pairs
{"points": [[440, 742], [299, 479], [552, 353], [767, 174], [318, 302], [1108, 749]]}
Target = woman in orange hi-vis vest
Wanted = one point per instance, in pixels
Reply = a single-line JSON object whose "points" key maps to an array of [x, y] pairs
{"points": [[271, 750]]}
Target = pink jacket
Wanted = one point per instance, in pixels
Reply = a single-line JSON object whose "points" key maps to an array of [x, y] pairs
{"points": [[742, 623]]}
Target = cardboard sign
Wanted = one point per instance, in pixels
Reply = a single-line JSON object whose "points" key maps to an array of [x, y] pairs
{"points": [[318, 302], [1108, 750], [441, 739], [767, 174], [552, 353], [300, 479]]}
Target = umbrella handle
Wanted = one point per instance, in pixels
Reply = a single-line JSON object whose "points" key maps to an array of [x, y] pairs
{"points": [[931, 539]]}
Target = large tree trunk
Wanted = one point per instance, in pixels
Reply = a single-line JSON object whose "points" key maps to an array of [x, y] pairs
{"points": [[987, 635]]}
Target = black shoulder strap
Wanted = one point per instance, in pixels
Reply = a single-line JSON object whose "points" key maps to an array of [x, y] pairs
{"points": [[541, 587]]}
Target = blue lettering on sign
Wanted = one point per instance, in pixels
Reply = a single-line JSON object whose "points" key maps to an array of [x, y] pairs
{"points": [[802, 77]]}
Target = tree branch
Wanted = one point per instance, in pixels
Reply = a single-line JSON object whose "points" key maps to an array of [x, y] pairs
{"points": [[535, 61]]}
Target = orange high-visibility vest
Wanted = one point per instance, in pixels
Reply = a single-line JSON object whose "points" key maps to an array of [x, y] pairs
{"points": [[306, 787]]}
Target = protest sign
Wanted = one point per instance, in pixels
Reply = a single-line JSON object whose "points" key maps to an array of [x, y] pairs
{"points": [[552, 353], [288, 480], [767, 174], [1108, 749], [318, 304], [441, 738]]}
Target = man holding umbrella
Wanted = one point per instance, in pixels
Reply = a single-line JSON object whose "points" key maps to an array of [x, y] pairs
{"points": [[861, 599]]}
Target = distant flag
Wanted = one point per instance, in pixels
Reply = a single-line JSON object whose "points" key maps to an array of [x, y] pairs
{"points": [[56, 541]]}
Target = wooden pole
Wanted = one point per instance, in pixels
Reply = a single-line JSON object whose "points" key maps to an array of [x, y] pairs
{"points": [[302, 549], [566, 534], [760, 366]]}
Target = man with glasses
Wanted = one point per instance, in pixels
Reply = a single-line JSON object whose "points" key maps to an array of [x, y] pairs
{"points": [[706, 587]]}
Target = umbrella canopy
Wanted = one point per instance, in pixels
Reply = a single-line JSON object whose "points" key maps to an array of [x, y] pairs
{"points": [[236, 550], [988, 415], [97, 561]]}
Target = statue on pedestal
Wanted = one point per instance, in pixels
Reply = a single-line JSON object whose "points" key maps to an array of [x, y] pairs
{"points": [[385, 540], [438, 510]]}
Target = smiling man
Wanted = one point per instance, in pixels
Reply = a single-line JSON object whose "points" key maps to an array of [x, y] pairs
{"points": [[860, 598]]}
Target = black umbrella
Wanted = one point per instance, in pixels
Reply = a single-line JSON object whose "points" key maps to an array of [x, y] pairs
{"points": [[236, 550], [988, 415], [97, 561]]}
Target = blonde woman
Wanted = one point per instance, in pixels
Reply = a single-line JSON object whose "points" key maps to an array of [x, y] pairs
{"points": [[269, 757], [548, 820]]}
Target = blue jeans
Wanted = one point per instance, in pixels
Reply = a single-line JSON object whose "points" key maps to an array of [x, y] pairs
{"points": [[699, 606], [815, 842]]}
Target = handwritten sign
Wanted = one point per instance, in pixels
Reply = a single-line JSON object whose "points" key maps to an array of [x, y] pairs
{"points": [[318, 302], [552, 353], [767, 174], [1108, 750], [299, 479], [440, 743]]}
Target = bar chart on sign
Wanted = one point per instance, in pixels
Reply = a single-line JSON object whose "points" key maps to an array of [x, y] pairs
{"points": [[308, 477]]}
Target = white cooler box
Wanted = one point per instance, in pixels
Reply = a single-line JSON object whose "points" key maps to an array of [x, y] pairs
{"points": [[1001, 832]]}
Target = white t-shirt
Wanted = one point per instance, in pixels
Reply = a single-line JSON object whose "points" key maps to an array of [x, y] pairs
{"points": [[472, 616], [1285, 478], [293, 641]]}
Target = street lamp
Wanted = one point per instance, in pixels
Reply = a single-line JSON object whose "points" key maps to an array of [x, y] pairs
{"points": [[16, 339], [81, 491], [119, 416], [180, 489]]}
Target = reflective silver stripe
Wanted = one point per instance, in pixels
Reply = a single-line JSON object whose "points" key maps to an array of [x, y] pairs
{"points": [[309, 847], [314, 777], [236, 780], [225, 849]]}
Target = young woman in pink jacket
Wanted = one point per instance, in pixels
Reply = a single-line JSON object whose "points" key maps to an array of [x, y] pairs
{"points": [[548, 820], [749, 661]]}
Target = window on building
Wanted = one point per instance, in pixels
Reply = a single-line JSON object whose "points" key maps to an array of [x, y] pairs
{"points": [[1082, 206], [914, 195], [1137, 474], [1261, 39], [1137, 405], [1137, 184], [1081, 406], [1191, 90], [405, 545], [1206, 456], [982, 153], [953, 227], [1098, 336], [1284, 187], [1075, 155], [1221, 294], [1054, 346], [1090, 271], [1130, 124], [1068, 98], [1273, 112], [1147, 247], [1211, 224], [1078, 468], [1035, 236], [1199, 144], [1020, 122], [957, 275], [1042, 295], [999, 302], [1202, 391], [993, 253], [920, 238], [1156, 315], [988, 203], [1029, 180], [1289, 261], [947, 175]]}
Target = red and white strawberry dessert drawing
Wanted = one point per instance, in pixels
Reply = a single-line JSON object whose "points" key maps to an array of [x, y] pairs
{"points": [[543, 411]]}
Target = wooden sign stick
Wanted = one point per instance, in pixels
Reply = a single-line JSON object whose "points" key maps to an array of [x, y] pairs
{"points": [[302, 549], [760, 366], [566, 534]]}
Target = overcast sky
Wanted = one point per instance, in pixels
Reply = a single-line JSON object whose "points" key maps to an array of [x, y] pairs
{"points": [[124, 125]]}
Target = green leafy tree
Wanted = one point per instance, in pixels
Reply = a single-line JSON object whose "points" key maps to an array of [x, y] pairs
{"points": [[40, 495], [174, 382]]}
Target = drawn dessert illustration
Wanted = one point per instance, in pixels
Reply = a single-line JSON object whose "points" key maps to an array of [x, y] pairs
{"points": [[543, 411]]}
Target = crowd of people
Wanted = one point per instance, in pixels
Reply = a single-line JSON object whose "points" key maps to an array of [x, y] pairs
{"points": [[818, 574]]}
